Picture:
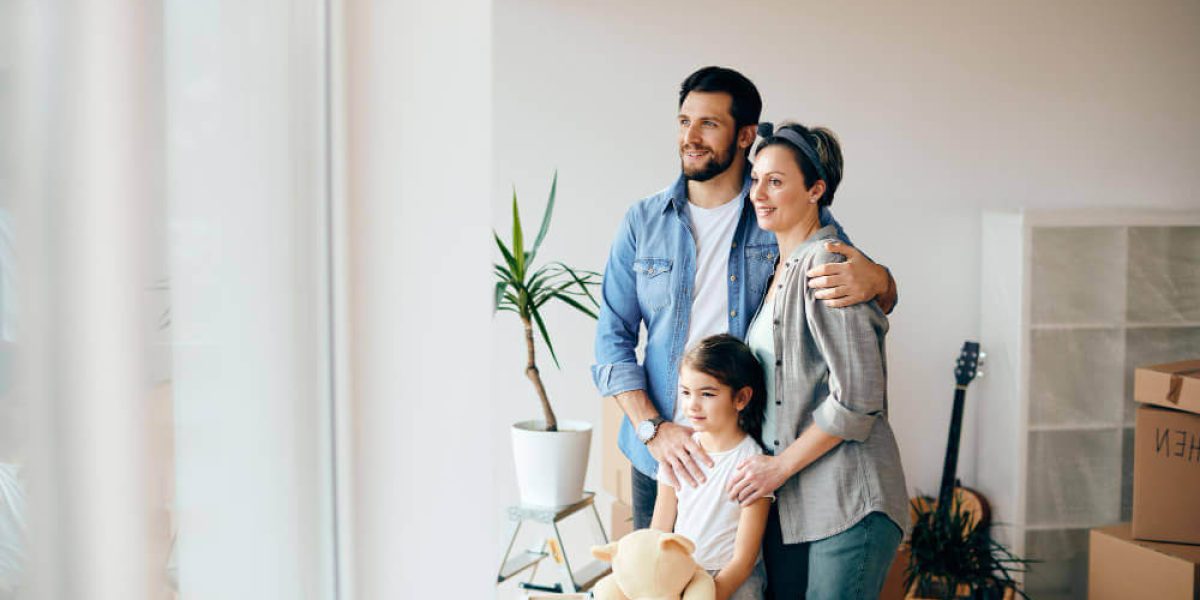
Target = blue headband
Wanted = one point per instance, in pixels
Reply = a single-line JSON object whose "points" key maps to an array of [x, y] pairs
{"points": [[767, 130]]}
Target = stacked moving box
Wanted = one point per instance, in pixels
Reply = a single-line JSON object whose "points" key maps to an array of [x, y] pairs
{"points": [[1158, 555], [615, 468]]}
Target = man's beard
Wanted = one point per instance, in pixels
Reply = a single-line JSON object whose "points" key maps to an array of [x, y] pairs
{"points": [[715, 166]]}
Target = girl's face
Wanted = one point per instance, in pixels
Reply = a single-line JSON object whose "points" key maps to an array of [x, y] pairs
{"points": [[777, 189], [711, 405]]}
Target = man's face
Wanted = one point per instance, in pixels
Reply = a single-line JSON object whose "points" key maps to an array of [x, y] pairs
{"points": [[707, 135]]}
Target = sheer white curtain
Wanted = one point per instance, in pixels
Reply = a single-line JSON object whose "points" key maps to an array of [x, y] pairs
{"points": [[87, 138], [179, 146], [254, 304], [247, 190]]}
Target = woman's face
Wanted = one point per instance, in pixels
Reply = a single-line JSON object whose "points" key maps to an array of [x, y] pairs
{"points": [[781, 198], [709, 404]]}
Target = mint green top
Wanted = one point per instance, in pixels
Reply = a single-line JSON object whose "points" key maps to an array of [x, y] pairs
{"points": [[761, 339]]}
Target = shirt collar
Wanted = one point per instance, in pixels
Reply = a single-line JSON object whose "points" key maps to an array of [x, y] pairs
{"points": [[677, 195]]}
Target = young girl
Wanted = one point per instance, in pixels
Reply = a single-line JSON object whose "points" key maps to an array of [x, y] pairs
{"points": [[721, 386]]}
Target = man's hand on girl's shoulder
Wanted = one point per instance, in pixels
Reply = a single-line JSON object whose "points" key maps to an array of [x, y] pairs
{"points": [[678, 455]]}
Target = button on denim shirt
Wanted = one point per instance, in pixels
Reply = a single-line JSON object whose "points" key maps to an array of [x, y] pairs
{"points": [[650, 279]]}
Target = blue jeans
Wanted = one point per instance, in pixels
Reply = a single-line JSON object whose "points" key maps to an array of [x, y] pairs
{"points": [[850, 565]]}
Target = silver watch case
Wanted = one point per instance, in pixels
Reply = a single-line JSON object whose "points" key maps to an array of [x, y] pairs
{"points": [[646, 430]]}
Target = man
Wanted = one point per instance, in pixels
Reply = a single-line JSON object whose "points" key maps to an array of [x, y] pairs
{"points": [[689, 262]]}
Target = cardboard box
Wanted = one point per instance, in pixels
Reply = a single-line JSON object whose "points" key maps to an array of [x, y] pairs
{"points": [[622, 520], [1166, 475], [893, 586], [1173, 385], [1120, 567], [614, 467]]}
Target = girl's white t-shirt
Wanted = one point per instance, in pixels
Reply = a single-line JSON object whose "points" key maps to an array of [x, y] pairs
{"points": [[705, 514]]}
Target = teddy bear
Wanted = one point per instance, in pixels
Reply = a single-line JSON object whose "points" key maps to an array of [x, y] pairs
{"points": [[652, 565]]}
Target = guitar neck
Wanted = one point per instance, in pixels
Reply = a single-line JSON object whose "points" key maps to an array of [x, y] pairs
{"points": [[950, 468]]}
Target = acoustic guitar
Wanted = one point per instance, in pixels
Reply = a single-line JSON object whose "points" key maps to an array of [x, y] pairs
{"points": [[966, 370]]}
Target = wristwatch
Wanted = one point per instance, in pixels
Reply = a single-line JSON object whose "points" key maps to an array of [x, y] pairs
{"points": [[646, 430]]}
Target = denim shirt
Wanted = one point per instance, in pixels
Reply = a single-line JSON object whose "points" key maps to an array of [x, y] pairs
{"points": [[650, 279]]}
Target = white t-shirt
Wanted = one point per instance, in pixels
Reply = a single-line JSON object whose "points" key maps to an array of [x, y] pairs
{"points": [[705, 514], [714, 228]]}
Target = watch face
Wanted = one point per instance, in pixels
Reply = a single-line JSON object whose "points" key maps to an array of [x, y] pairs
{"points": [[645, 430]]}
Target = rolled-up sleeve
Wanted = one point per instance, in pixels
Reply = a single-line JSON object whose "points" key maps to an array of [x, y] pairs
{"points": [[836, 418], [850, 341], [616, 369], [612, 379]]}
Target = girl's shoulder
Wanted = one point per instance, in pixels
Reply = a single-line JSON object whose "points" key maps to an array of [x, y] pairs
{"points": [[748, 447]]}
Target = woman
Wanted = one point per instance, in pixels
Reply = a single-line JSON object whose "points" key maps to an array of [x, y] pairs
{"points": [[833, 463]]}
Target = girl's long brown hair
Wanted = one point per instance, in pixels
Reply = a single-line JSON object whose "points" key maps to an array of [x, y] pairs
{"points": [[731, 362]]}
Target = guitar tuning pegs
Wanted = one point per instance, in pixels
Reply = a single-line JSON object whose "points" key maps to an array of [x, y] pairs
{"points": [[982, 357], [979, 374]]}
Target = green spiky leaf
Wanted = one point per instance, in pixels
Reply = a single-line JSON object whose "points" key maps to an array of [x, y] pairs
{"points": [[537, 243], [501, 286], [583, 281], [518, 240], [537, 317], [508, 256], [572, 302]]}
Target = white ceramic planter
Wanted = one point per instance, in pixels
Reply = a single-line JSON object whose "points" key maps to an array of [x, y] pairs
{"points": [[551, 466]]}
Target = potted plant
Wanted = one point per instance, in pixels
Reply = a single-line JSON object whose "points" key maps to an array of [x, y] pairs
{"points": [[952, 556], [551, 456]]}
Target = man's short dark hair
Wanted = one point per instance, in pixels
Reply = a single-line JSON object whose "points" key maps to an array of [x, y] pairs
{"points": [[747, 104]]}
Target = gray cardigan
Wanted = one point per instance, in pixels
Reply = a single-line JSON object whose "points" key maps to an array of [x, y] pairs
{"points": [[831, 369]]}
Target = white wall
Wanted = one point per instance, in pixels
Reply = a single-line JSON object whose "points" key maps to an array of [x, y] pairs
{"points": [[944, 110]]}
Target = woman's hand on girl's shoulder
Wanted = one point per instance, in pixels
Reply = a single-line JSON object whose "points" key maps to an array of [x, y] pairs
{"points": [[756, 477]]}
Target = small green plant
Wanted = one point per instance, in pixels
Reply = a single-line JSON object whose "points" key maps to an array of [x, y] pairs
{"points": [[951, 554], [523, 290]]}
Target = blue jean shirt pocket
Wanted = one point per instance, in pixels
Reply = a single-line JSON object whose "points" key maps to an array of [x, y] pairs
{"points": [[653, 282], [760, 265]]}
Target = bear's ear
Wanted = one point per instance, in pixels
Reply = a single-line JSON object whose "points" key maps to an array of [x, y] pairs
{"points": [[679, 540], [605, 552]]}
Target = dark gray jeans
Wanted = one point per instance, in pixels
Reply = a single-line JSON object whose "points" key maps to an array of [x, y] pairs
{"points": [[645, 492]]}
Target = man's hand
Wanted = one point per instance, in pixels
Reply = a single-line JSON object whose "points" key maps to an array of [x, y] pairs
{"points": [[848, 283], [678, 455], [757, 477]]}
